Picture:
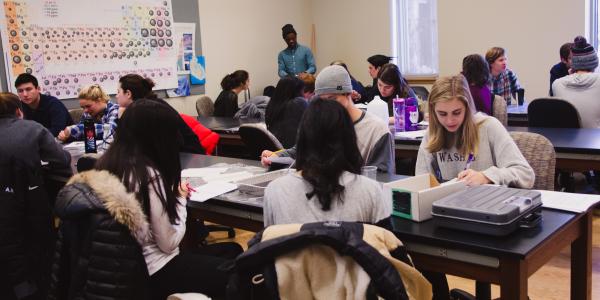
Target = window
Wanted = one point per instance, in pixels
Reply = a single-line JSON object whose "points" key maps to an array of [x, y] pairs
{"points": [[415, 37], [592, 12]]}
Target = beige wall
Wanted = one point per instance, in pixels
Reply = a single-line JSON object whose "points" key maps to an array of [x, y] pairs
{"points": [[351, 30], [530, 31], [241, 34]]}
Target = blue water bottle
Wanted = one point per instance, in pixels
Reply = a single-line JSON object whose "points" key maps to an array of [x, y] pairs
{"points": [[399, 117], [411, 114]]}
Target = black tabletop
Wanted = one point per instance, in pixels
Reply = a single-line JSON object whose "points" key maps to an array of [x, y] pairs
{"points": [[520, 243], [190, 160], [573, 140], [224, 124]]}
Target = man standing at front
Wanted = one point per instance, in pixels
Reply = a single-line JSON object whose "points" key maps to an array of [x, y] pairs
{"points": [[294, 59], [44, 109]]}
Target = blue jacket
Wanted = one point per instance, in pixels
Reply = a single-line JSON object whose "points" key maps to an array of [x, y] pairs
{"points": [[294, 61]]}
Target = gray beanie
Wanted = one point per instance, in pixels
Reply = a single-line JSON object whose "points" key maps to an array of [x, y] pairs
{"points": [[333, 80]]}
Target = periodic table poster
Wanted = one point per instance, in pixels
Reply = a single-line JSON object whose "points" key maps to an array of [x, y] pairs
{"points": [[68, 44]]}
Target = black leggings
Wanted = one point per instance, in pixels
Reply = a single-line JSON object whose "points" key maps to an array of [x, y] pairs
{"points": [[195, 273]]}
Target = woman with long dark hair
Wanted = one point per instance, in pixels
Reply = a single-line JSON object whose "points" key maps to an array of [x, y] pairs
{"points": [[477, 72], [285, 110], [232, 84], [328, 184], [133, 87], [391, 84], [145, 157]]}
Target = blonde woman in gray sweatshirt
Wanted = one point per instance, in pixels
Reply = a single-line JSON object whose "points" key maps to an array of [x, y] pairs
{"points": [[474, 148]]}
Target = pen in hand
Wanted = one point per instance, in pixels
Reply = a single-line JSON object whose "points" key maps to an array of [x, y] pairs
{"points": [[469, 161]]}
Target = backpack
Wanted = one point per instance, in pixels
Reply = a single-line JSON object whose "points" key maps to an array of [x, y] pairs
{"points": [[261, 272]]}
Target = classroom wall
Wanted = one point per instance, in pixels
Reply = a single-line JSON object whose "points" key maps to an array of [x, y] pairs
{"points": [[351, 30], [240, 34], [530, 31]]}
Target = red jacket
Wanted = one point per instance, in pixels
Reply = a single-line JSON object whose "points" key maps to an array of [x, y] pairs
{"points": [[208, 139]]}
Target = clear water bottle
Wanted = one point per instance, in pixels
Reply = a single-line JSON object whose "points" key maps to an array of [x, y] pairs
{"points": [[411, 114], [399, 116], [106, 136]]}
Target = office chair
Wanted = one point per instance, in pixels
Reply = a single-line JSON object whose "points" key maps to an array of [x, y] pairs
{"points": [[499, 110], [257, 138], [420, 91], [555, 113], [552, 113], [205, 106], [76, 114]]}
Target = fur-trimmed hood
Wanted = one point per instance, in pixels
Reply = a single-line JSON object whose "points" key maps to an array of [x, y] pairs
{"points": [[99, 190]]}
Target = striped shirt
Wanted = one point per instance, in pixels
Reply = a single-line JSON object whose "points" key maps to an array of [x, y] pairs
{"points": [[505, 84]]}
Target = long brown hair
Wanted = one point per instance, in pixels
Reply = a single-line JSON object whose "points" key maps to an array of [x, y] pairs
{"points": [[466, 137]]}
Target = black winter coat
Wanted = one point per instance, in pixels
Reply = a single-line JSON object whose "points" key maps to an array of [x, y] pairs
{"points": [[26, 231], [98, 253]]}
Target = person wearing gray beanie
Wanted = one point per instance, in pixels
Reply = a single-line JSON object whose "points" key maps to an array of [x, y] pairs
{"points": [[296, 58], [583, 86], [374, 139]]}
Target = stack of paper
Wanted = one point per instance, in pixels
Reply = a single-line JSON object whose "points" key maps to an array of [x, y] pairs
{"points": [[568, 201], [411, 134]]}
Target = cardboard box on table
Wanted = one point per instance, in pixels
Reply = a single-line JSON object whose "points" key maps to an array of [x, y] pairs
{"points": [[412, 197]]}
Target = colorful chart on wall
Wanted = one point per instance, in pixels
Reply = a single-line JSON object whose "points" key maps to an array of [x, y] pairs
{"points": [[68, 44]]}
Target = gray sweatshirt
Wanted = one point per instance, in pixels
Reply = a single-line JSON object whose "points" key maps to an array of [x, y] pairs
{"points": [[285, 201], [583, 91], [499, 157], [374, 140]]}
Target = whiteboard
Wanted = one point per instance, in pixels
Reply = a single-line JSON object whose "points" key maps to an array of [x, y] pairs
{"points": [[68, 44]]}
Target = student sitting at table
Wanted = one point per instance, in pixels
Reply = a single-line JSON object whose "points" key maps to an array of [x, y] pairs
{"points": [[133, 87], [471, 147], [96, 105], [232, 84], [144, 157], [373, 137], [562, 68], [285, 110], [328, 185], [504, 81], [375, 63], [391, 84], [582, 88], [26, 232], [359, 94], [309, 85], [477, 72]]}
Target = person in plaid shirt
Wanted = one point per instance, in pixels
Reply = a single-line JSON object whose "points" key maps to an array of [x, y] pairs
{"points": [[94, 102], [504, 82]]}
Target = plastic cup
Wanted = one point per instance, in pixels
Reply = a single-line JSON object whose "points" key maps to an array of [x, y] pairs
{"points": [[369, 171]]}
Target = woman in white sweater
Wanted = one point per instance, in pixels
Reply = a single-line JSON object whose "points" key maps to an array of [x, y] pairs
{"points": [[145, 156], [471, 147]]}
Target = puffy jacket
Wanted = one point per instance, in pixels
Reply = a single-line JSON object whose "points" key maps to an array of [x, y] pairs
{"points": [[207, 138], [98, 253]]}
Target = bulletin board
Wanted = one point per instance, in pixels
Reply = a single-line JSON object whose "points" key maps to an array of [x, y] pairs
{"points": [[68, 44]]}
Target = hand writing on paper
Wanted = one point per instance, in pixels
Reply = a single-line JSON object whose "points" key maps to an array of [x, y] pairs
{"points": [[473, 178], [264, 157]]}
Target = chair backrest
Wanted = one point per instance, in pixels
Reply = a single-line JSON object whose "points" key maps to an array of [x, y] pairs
{"points": [[539, 153], [552, 112], [499, 110], [205, 106], [257, 138], [76, 114], [421, 92]]}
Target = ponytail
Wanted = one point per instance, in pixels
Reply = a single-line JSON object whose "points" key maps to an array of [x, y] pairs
{"points": [[233, 80]]}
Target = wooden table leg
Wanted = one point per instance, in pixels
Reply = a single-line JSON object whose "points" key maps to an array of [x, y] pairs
{"points": [[581, 261], [513, 279]]}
